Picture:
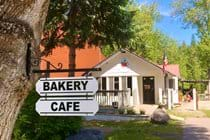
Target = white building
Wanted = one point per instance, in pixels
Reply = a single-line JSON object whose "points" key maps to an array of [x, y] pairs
{"points": [[141, 81]]}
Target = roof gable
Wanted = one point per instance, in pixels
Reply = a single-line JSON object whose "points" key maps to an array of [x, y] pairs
{"points": [[120, 70]]}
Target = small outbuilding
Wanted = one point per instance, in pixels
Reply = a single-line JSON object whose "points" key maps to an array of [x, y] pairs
{"points": [[131, 80]]}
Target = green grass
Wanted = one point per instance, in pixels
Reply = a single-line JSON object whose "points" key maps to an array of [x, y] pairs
{"points": [[207, 112], [139, 130], [186, 114]]}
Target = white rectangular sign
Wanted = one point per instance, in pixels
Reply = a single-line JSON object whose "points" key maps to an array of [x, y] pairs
{"points": [[66, 107], [67, 86]]}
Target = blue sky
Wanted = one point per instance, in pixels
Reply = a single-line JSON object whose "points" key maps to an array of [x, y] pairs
{"points": [[169, 25]]}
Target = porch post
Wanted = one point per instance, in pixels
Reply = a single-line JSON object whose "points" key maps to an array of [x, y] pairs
{"points": [[120, 83], [135, 91], [175, 95], [160, 96], [169, 98], [120, 96], [108, 88]]}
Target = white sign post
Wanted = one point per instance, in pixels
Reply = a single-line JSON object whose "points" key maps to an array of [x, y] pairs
{"points": [[67, 86], [80, 91], [66, 107]]}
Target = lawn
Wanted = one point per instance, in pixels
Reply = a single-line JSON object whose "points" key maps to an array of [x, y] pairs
{"points": [[187, 113], [190, 114], [207, 112], [138, 130]]}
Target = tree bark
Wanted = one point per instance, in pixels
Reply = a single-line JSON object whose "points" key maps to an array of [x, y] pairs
{"points": [[21, 24]]}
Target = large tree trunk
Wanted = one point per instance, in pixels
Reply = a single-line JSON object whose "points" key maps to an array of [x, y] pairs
{"points": [[21, 25]]}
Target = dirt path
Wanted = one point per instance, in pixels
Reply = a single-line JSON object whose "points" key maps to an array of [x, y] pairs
{"points": [[196, 129]]}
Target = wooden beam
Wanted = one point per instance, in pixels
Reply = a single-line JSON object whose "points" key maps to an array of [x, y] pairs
{"points": [[66, 70]]}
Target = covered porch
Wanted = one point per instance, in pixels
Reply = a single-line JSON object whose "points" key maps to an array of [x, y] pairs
{"points": [[132, 91]]}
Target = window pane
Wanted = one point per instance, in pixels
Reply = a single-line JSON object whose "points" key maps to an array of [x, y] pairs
{"points": [[129, 84], [116, 83], [171, 83], [103, 83]]}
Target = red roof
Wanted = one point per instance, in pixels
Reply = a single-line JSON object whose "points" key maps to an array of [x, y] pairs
{"points": [[172, 68]]}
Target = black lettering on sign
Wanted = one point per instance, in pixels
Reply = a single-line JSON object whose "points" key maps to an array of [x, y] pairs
{"points": [[76, 106], [84, 83], [65, 85], [53, 106], [62, 107], [46, 85], [61, 85], [69, 85], [53, 86], [65, 106], [69, 105], [77, 85]]}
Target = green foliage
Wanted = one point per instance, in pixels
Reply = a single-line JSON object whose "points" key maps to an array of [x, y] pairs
{"points": [[194, 13], [76, 22], [30, 126], [130, 111], [204, 54], [146, 41], [142, 26], [121, 111], [142, 112]]}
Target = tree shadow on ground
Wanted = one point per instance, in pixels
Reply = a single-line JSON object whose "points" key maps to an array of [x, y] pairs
{"points": [[195, 133]]}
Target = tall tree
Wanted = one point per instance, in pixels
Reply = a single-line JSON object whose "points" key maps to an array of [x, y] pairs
{"points": [[77, 22], [204, 56], [146, 41], [21, 24], [142, 26], [183, 60], [194, 13]]}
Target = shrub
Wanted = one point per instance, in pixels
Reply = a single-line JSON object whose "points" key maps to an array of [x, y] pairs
{"points": [[30, 126], [142, 112], [121, 111], [131, 112]]}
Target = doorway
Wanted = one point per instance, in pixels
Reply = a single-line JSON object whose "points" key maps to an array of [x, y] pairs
{"points": [[149, 90]]}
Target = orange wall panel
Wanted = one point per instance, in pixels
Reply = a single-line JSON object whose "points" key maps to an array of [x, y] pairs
{"points": [[86, 57]]}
